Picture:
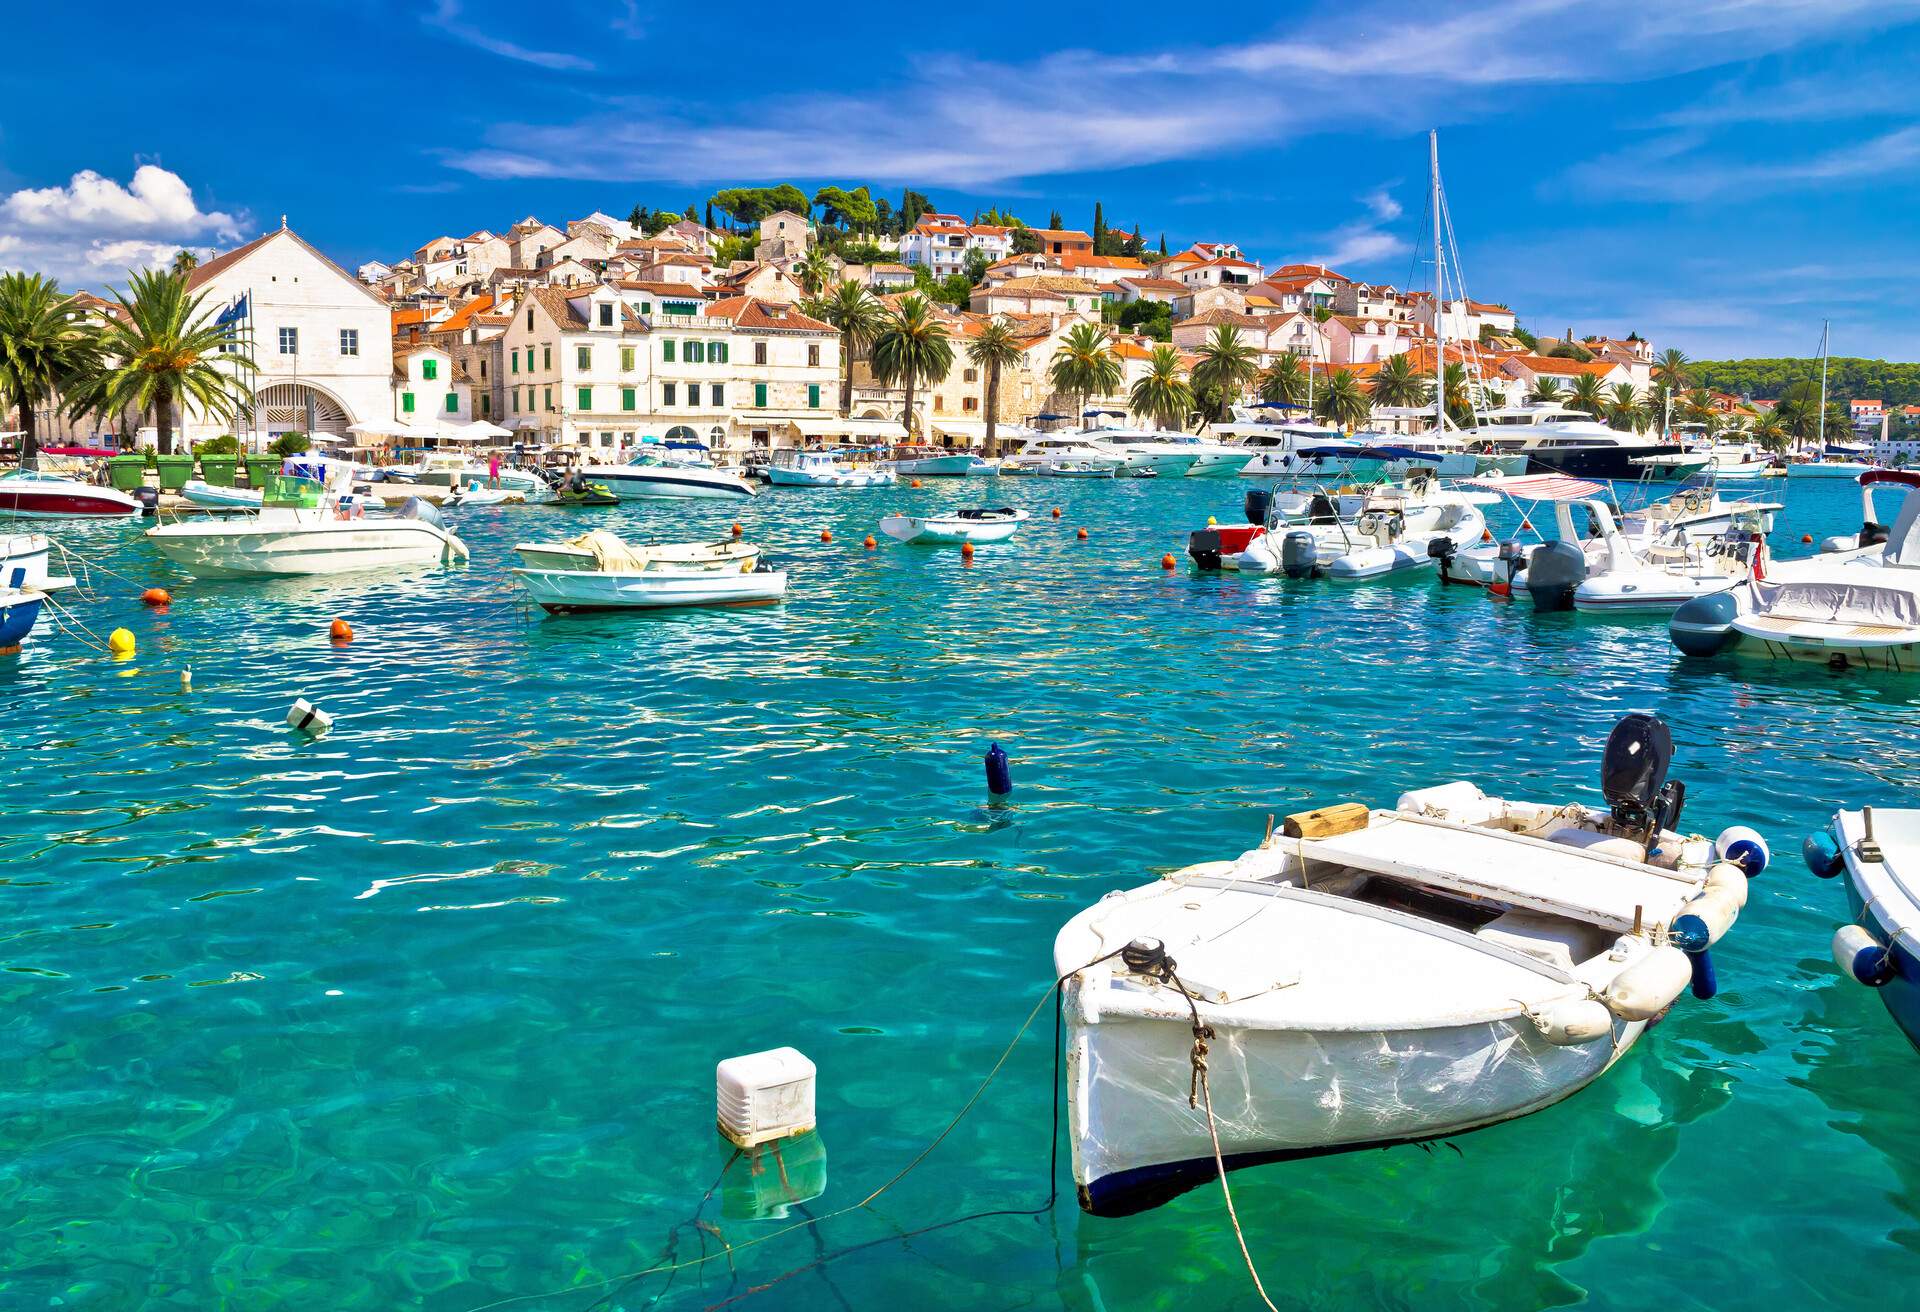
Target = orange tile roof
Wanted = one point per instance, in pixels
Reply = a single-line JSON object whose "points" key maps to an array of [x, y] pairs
{"points": [[753, 313]]}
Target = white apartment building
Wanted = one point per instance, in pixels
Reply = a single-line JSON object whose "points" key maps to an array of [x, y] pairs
{"points": [[321, 339], [942, 242], [607, 368], [430, 387]]}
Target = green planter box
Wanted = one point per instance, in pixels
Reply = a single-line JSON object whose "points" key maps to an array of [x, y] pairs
{"points": [[127, 473], [260, 469], [219, 470], [174, 471]]}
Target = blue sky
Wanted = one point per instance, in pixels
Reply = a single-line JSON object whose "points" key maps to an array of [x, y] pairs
{"points": [[1717, 175]]}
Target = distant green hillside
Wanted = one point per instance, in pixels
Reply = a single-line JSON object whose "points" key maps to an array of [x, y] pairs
{"points": [[1847, 378]]}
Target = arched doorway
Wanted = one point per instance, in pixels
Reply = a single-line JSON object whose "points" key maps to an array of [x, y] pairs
{"points": [[295, 408]]}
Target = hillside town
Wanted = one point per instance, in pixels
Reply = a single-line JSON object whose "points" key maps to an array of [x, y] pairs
{"points": [[600, 334]]}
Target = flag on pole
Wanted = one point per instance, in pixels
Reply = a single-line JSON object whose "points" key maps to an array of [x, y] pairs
{"points": [[233, 313]]}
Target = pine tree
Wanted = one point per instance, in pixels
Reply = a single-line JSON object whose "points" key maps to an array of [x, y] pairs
{"points": [[1099, 229], [1055, 222], [709, 216], [1163, 245], [637, 216]]}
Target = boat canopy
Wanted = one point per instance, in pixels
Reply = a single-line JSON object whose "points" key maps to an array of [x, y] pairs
{"points": [[1366, 453], [1540, 487], [1843, 598]]}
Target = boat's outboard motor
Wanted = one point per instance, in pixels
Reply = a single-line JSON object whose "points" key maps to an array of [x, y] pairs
{"points": [[1633, 775], [1871, 534], [1441, 549], [149, 499], [1258, 504], [1704, 625], [1203, 547], [1513, 559], [1555, 571], [1299, 554], [424, 511]]}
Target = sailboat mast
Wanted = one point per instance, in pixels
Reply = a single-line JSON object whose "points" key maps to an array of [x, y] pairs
{"points": [[1439, 292], [1823, 384]]}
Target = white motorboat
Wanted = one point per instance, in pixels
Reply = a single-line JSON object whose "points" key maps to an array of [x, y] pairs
{"points": [[1501, 566], [1087, 469], [930, 462], [295, 535], [981, 525], [560, 591], [649, 474], [601, 550], [1383, 529], [1559, 440], [24, 563], [1047, 449], [797, 468], [1271, 446], [1658, 576], [1830, 468], [1735, 460], [1877, 849], [1700, 513], [477, 493], [1377, 977], [1855, 605], [454, 469], [38, 494], [212, 494], [1145, 448]]}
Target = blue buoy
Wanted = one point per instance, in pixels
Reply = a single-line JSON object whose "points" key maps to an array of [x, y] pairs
{"points": [[1704, 625], [1822, 854], [1689, 934], [999, 777], [1873, 966]]}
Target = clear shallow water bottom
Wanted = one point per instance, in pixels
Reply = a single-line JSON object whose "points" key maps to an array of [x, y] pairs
{"points": [[425, 1014]]}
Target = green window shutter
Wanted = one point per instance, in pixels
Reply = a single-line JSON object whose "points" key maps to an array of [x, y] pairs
{"points": [[516, 361], [516, 400], [529, 359], [696, 353], [626, 359], [406, 402], [717, 352], [626, 398], [486, 404], [429, 370], [760, 394], [546, 357], [586, 398], [813, 396], [453, 403], [546, 398], [666, 349], [583, 357]]}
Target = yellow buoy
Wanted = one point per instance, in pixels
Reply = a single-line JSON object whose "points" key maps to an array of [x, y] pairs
{"points": [[1212, 522], [120, 644]]}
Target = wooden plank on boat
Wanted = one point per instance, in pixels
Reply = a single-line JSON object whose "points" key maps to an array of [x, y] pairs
{"points": [[1326, 821]]}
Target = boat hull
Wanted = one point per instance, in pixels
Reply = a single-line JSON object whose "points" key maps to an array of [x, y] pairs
{"points": [[562, 556], [564, 591], [1647, 593], [77, 502], [781, 477], [1280, 1094], [1848, 472], [19, 612], [955, 466], [249, 552], [676, 484], [1616, 463], [1217, 464], [208, 494], [947, 530]]}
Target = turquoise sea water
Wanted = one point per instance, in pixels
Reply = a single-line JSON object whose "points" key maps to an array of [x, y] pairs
{"points": [[425, 1014]]}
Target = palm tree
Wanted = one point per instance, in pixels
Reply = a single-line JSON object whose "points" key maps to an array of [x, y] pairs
{"points": [[993, 349], [1284, 382], [163, 350], [814, 270], [1670, 371], [1799, 411], [1461, 398], [1163, 394], [1398, 384], [185, 261], [1343, 403], [859, 318], [912, 348], [1227, 365], [1084, 365], [1588, 395], [1771, 433], [1546, 390], [44, 348], [1625, 410]]}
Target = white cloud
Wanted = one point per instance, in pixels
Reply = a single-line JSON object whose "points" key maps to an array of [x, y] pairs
{"points": [[1369, 240], [1682, 167], [446, 17], [93, 229]]}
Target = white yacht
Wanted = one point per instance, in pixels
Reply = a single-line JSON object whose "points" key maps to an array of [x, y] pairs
{"points": [[1145, 448], [651, 475], [1047, 450], [796, 468], [1271, 442], [1557, 440], [452, 469]]}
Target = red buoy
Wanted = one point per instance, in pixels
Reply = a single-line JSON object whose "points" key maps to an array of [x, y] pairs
{"points": [[1806, 537], [1486, 535], [966, 551], [1166, 561], [340, 631], [1056, 512], [915, 483], [1082, 535], [157, 597], [826, 535], [870, 543], [737, 530]]}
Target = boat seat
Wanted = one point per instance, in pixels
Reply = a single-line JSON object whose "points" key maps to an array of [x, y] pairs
{"points": [[1588, 840], [1556, 941]]}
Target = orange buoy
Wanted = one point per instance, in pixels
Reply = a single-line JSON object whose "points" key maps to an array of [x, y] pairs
{"points": [[1486, 535], [1166, 561], [1082, 535], [157, 597], [737, 530], [1056, 512], [826, 535], [966, 551], [915, 483], [340, 631], [1526, 526], [1806, 537], [870, 543]]}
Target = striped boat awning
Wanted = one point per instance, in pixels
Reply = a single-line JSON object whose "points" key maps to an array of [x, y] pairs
{"points": [[1540, 487]]}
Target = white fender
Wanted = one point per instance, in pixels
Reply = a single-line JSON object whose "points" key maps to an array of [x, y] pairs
{"points": [[1572, 1021], [1717, 909], [308, 718], [1725, 879], [1649, 986]]}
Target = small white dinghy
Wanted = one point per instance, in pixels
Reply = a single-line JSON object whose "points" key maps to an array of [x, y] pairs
{"points": [[982, 525], [212, 494], [561, 591], [601, 550], [478, 494], [1372, 978]]}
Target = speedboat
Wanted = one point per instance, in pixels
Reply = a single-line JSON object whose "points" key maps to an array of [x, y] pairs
{"points": [[1829, 468], [1734, 460], [214, 495], [1700, 513], [601, 550], [930, 462], [1855, 605], [562, 591], [453, 469], [19, 612], [1557, 440], [1145, 448], [1373, 977], [1382, 529], [981, 525], [796, 468], [652, 475], [23, 563], [1878, 850], [299, 530], [1047, 449], [477, 493], [37, 494]]}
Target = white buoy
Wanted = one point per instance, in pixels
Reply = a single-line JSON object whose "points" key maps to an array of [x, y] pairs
{"points": [[308, 718], [764, 1096], [186, 679]]}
